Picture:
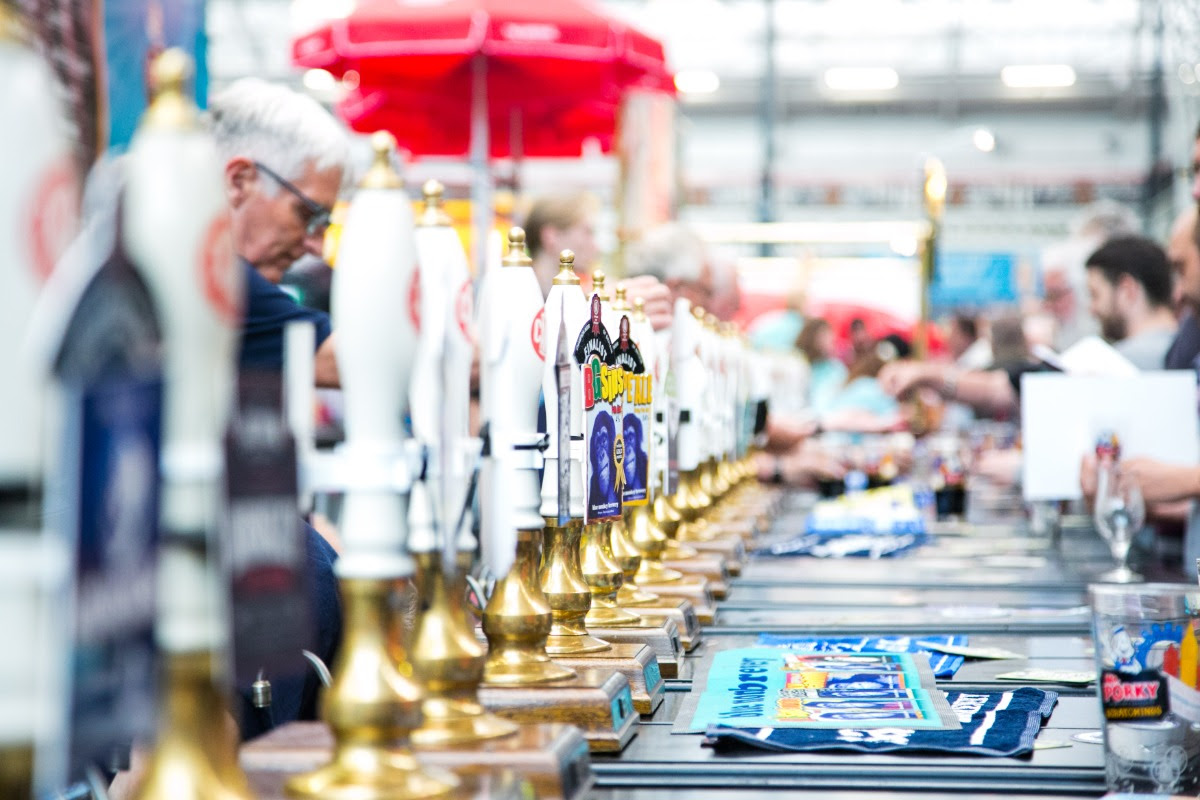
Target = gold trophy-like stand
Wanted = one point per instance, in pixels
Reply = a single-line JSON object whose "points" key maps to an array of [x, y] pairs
{"points": [[608, 620], [573, 646], [649, 541], [458, 733], [522, 683]]}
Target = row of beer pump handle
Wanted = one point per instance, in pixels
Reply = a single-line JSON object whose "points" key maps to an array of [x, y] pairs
{"points": [[411, 472]]}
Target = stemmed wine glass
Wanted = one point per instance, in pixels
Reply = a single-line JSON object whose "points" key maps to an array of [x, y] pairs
{"points": [[1119, 515]]}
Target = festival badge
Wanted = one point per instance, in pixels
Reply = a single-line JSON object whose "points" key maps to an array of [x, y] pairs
{"points": [[603, 391], [635, 416]]}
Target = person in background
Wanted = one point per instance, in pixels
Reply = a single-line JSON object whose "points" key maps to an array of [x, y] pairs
{"points": [[284, 161], [1129, 288], [969, 349], [777, 330], [861, 342], [827, 374], [1172, 491], [1063, 273], [1184, 257], [861, 391], [561, 222], [676, 256]]}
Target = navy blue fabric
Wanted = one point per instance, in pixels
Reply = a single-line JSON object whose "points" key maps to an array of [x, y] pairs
{"points": [[840, 545], [268, 310], [943, 665], [294, 696], [993, 724], [1185, 348]]}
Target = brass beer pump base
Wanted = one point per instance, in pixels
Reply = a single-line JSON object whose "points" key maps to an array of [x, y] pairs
{"points": [[195, 757], [371, 773], [729, 548], [626, 556], [666, 516], [448, 660], [654, 572], [677, 551], [554, 758], [694, 589], [637, 663], [598, 701], [569, 597], [651, 543], [711, 567], [629, 597], [574, 645], [656, 632], [372, 708], [604, 578], [517, 620], [682, 613], [16, 760], [451, 723]]}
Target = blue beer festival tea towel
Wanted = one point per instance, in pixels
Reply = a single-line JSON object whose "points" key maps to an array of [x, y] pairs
{"points": [[942, 664], [877, 523], [993, 724]]}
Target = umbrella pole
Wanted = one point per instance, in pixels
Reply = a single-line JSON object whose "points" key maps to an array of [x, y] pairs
{"points": [[481, 178]]}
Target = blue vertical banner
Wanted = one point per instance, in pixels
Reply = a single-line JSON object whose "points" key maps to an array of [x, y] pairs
{"points": [[100, 51], [135, 31], [973, 279]]}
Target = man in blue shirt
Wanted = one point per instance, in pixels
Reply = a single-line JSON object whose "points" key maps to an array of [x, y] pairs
{"points": [[284, 162]]}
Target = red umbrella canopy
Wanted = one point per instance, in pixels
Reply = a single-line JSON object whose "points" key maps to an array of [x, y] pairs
{"points": [[555, 71]]}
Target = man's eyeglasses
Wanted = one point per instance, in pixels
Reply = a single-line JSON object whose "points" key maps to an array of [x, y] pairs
{"points": [[318, 215]]}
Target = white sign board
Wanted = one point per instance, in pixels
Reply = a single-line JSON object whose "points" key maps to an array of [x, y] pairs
{"points": [[1154, 414]]}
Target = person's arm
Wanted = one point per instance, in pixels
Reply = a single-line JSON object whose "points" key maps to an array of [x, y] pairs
{"points": [[785, 432], [986, 390], [325, 368], [1163, 483], [659, 304]]}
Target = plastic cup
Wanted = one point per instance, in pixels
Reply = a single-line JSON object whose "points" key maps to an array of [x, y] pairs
{"points": [[1148, 659]]}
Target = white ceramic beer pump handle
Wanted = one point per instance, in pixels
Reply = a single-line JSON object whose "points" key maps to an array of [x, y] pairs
{"points": [[567, 303], [374, 320]]}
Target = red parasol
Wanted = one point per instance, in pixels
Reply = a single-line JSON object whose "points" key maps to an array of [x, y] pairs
{"points": [[544, 75]]}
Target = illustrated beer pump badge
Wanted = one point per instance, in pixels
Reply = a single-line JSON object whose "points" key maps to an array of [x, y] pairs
{"points": [[615, 470], [635, 419]]}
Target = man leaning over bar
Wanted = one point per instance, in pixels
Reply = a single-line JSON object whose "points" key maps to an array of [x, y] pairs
{"points": [[284, 160]]}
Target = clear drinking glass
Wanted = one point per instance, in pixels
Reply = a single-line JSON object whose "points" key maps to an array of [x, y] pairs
{"points": [[1119, 515]]}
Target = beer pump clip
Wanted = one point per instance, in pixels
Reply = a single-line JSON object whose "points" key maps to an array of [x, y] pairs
{"points": [[566, 312], [643, 335]]}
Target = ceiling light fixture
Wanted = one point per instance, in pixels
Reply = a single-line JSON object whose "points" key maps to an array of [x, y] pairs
{"points": [[697, 81], [1038, 76], [861, 79], [984, 140], [319, 80]]}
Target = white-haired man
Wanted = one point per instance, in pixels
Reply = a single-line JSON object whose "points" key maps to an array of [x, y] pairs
{"points": [[284, 160]]}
